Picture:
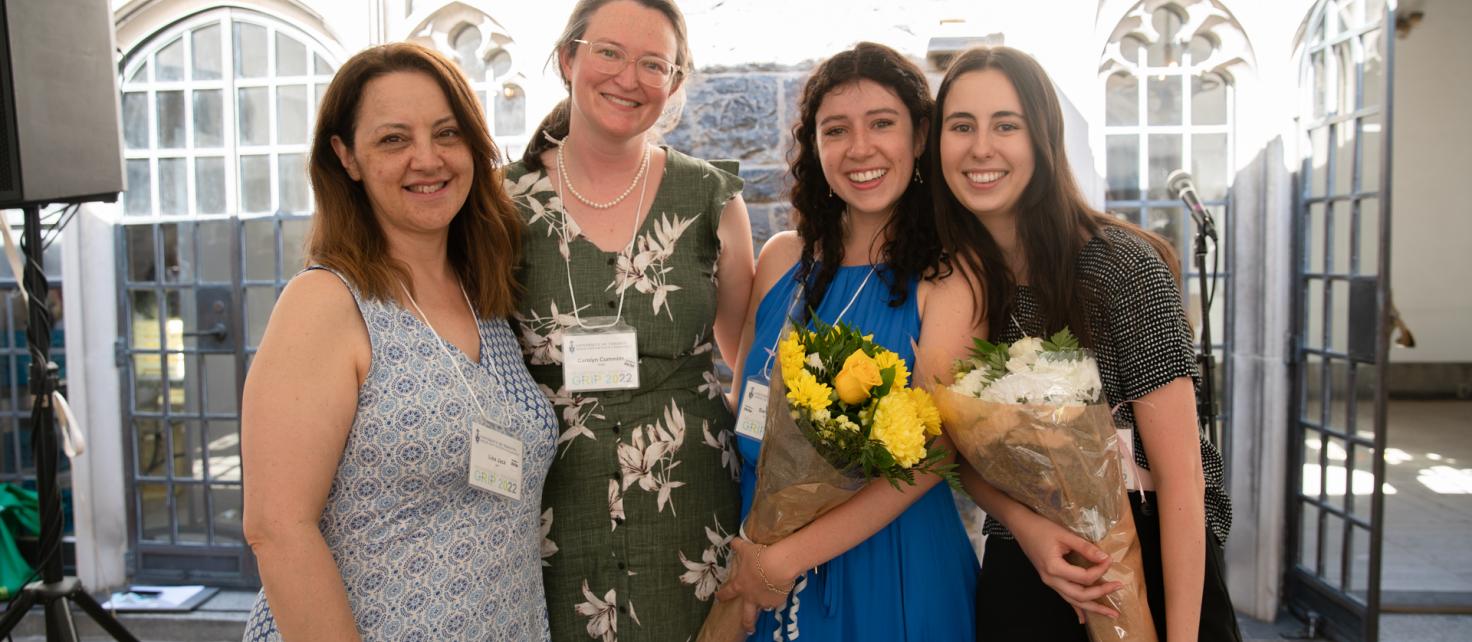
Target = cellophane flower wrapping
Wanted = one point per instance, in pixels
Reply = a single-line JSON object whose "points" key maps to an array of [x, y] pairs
{"points": [[818, 449], [1031, 420]]}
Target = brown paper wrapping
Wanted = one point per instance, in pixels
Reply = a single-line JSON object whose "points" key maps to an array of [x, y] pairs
{"points": [[794, 486], [1064, 463]]}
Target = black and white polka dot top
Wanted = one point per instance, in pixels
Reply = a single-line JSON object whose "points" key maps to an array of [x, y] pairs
{"points": [[1142, 342]]}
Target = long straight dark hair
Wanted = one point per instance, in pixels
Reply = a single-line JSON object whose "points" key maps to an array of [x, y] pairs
{"points": [[912, 248], [1053, 219]]}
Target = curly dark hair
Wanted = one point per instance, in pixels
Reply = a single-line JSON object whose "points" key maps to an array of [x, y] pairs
{"points": [[912, 247]]}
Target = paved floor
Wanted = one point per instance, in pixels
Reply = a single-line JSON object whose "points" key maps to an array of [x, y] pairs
{"points": [[1429, 517]]}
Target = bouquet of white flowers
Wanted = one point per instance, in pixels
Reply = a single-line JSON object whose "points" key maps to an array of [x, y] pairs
{"points": [[1031, 420]]}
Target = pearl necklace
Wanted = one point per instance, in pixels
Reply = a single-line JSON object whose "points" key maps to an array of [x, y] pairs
{"points": [[567, 180]]}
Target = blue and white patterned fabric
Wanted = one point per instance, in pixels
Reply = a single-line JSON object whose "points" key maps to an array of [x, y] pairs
{"points": [[423, 554]]}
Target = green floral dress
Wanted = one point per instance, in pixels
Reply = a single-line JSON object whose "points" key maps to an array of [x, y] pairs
{"points": [[642, 500]]}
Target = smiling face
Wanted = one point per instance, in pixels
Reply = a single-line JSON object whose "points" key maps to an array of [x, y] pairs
{"points": [[986, 152], [619, 106], [409, 153], [867, 145]]}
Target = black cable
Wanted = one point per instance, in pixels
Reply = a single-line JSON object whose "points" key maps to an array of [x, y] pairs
{"points": [[62, 220]]}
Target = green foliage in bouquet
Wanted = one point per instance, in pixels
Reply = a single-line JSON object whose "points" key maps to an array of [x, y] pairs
{"points": [[850, 398]]}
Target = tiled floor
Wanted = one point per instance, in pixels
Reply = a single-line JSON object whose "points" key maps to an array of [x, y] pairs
{"points": [[1429, 464], [1428, 507], [1429, 519]]}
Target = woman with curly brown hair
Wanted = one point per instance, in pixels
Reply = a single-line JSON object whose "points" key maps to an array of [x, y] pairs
{"points": [[888, 564]]}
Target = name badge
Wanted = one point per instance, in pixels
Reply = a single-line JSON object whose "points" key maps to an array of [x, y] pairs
{"points": [[601, 359], [1127, 455], [752, 420], [495, 461]]}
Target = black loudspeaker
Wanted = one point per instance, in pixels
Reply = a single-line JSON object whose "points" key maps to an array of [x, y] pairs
{"points": [[59, 136]]}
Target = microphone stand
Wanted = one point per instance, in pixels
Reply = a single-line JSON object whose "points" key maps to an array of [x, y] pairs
{"points": [[1206, 407], [54, 588]]}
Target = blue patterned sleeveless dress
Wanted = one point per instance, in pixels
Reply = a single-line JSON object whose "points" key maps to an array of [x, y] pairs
{"points": [[915, 579], [423, 554]]}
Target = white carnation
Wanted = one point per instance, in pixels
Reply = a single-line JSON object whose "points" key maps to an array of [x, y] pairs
{"points": [[972, 383], [1084, 380], [815, 362], [1026, 348], [1028, 387]]}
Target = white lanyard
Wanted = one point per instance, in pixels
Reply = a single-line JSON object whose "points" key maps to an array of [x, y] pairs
{"points": [[443, 348], [496, 456], [628, 251], [751, 420], [797, 296]]}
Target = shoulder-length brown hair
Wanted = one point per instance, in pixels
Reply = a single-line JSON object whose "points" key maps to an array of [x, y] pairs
{"points": [[484, 237], [1053, 220]]}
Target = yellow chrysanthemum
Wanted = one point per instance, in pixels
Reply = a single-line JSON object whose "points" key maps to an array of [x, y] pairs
{"points": [[927, 412], [790, 353], [898, 426], [805, 391], [887, 359]]}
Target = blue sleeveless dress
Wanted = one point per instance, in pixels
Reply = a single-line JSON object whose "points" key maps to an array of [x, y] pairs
{"points": [[915, 579], [423, 554]]}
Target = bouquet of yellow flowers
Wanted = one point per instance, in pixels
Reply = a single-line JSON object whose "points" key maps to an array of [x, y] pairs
{"points": [[1030, 418], [840, 413]]}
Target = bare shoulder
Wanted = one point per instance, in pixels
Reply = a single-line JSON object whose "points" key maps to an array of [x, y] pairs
{"points": [[316, 318], [953, 295], [779, 254], [316, 295]]}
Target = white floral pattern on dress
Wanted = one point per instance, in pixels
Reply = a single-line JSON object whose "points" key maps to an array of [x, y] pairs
{"points": [[615, 505], [549, 548], [648, 458], [724, 442], [552, 213], [576, 411], [710, 572], [645, 269], [602, 614], [541, 336]]}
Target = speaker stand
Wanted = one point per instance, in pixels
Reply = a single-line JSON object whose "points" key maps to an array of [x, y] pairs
{"points": [[54, 589]]}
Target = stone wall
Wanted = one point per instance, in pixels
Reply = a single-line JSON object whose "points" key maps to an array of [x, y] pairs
{"points": [[746, 115]]}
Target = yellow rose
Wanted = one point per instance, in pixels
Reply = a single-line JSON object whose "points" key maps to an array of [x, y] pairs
{"points": [[858, 376], [887, 359]]}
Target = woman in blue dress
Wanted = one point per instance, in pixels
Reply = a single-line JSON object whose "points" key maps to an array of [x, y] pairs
{"points": [[887, 564]]}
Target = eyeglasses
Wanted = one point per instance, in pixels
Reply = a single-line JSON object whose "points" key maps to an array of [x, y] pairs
{"points": [[611, 59]]}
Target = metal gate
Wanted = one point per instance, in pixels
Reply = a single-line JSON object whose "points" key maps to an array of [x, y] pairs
{"points": [[195, 296], [1342, 302]]}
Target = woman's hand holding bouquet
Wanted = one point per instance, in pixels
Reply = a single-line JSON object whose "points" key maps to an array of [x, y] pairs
{"points": [[1030, 419], [841, 413]]}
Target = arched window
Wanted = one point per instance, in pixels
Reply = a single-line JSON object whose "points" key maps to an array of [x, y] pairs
{"points": [[1169, 97], [218, 111], [217, 117], [487, 55]]}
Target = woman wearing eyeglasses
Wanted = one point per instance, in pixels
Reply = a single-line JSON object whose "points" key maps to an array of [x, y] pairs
{"points": [[638, 264]]}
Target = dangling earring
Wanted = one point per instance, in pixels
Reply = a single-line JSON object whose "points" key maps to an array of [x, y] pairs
{"points": [[830, 191], [918, 178]]}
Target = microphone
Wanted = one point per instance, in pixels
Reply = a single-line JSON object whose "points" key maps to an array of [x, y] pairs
{"points": [[1181, 186]]}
